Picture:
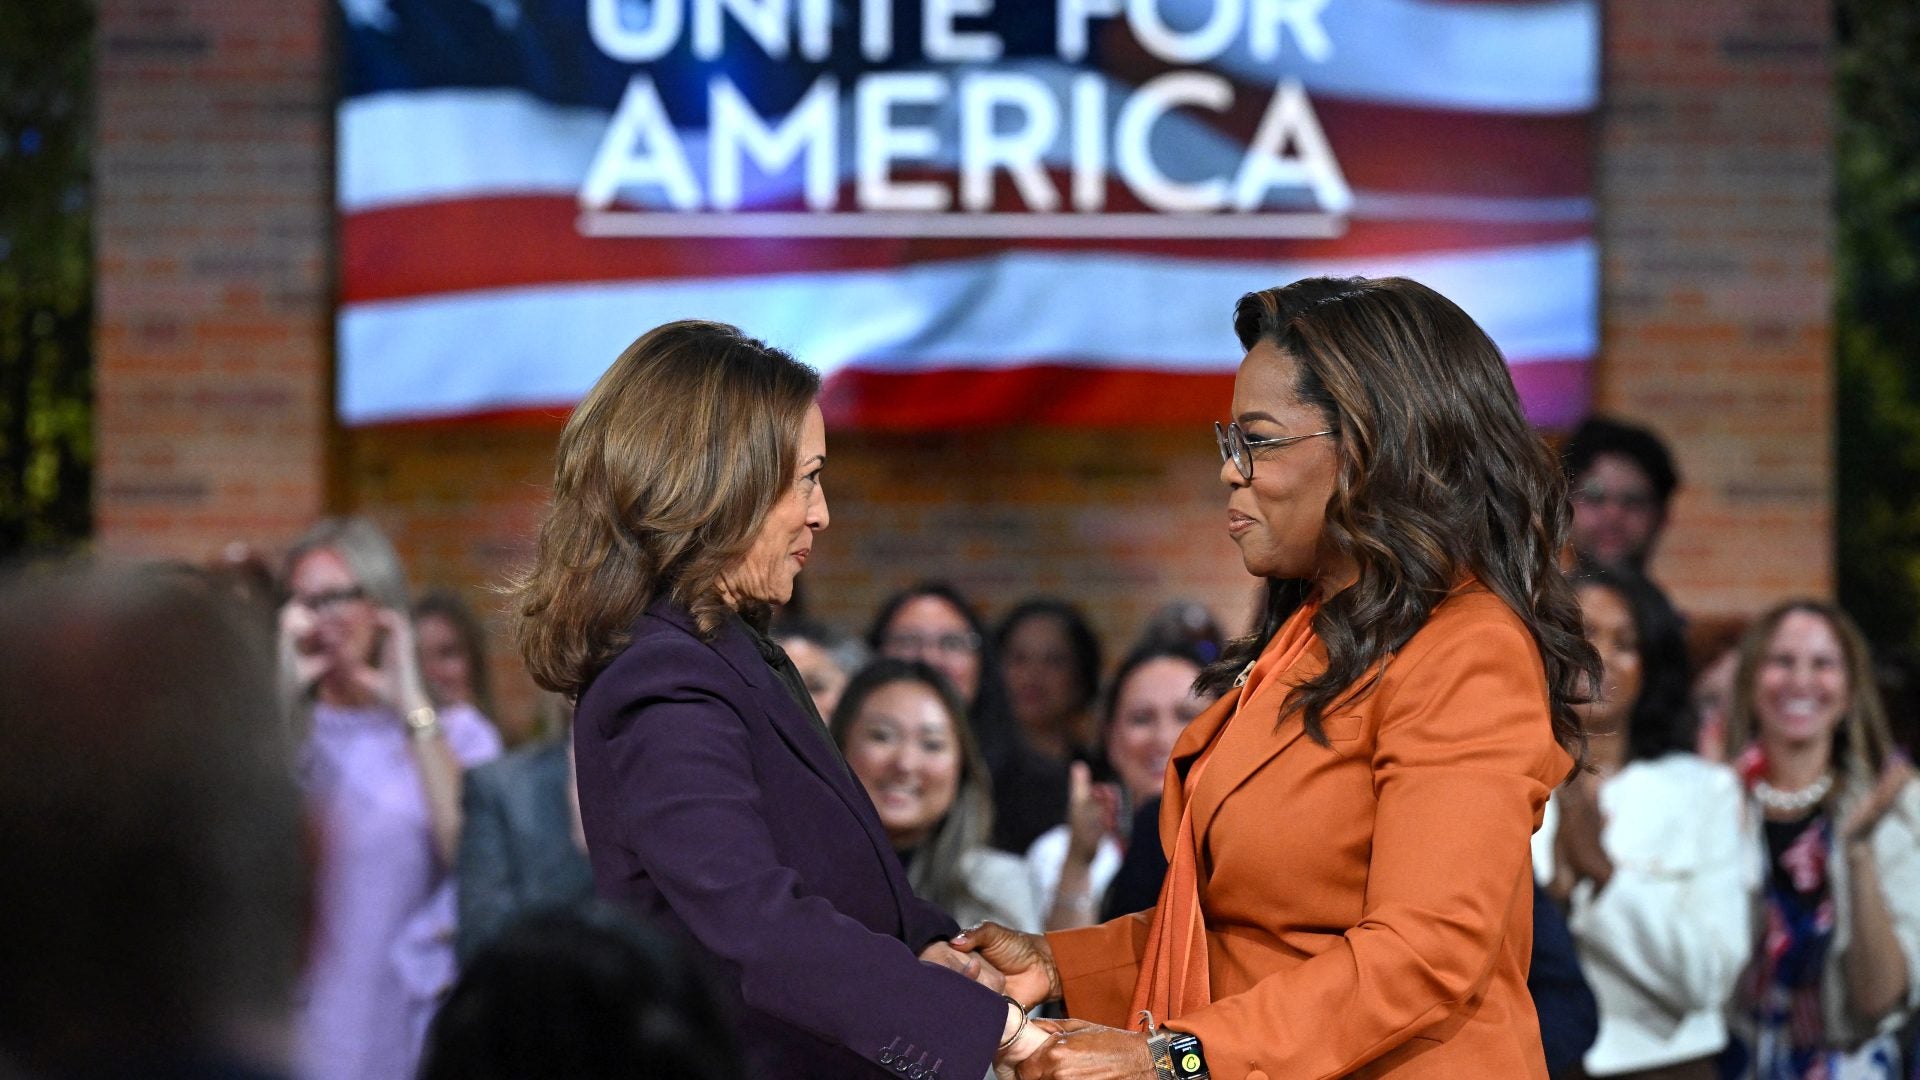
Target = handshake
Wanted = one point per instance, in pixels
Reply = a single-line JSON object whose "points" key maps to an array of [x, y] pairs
{"points": [[1020, 966]]}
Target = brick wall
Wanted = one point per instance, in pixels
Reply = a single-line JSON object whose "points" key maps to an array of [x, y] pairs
{"points": [[1715, 190], [213, 174], [1713, 180]]}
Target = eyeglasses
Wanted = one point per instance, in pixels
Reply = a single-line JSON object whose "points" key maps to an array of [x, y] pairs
{"points": [[1239, 447], [332, 598], [922, 644], [1596, 496]]}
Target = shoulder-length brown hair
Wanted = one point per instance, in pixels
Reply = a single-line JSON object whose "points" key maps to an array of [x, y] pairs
{"points": [[663, 476], [1863, 742], [1439, 476]]}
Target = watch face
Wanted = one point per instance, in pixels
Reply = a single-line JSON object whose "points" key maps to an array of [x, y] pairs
{"points": [[1188, 1062]]}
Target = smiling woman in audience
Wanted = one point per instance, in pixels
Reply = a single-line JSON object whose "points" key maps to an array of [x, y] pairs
{"points": [[906, 738], [1837, 810], [1149, 703]]}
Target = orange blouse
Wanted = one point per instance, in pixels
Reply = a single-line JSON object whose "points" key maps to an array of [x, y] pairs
{"points": [[1367, 905]]}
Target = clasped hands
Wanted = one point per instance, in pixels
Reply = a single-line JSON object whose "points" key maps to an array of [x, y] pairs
{"points": [[1021, 966]]}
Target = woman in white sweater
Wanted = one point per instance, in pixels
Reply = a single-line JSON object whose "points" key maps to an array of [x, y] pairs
{"points": [[1647, 852]]}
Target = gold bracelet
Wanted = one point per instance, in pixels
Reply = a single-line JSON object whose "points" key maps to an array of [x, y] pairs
{"points": [[423, 722]]}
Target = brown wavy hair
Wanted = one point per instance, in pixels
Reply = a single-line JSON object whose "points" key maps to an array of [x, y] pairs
{"points": [[1439, 476], [1863, 742], [663, 477]]}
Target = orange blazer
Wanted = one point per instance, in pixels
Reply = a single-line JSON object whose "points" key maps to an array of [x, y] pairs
{"points": [[1368, 904]]}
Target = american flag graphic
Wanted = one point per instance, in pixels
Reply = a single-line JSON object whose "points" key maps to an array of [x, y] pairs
{"points": [[962, 212]]}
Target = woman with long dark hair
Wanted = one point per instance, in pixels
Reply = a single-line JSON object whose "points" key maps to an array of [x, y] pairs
{"points": [[905, 736], [1645, 851], [1348, 828]]}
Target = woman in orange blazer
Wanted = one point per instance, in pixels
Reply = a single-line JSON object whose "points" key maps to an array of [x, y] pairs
{"points": [[1349, 892]]}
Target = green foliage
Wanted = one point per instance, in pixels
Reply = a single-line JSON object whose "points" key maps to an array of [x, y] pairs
{"points": [[1878, 318], [46, 274]]}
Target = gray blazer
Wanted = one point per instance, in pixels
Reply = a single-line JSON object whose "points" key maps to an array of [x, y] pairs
{"points": [[516, 844]]}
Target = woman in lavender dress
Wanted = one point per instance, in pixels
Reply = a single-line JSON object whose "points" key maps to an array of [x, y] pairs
{"points": [[382, 768]]}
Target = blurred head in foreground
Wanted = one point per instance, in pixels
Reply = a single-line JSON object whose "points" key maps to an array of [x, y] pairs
{"points": [[584, 994], [151, 849]]}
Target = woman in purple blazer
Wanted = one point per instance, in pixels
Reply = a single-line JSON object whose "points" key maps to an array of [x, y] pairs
{"points": [[686, 498]]}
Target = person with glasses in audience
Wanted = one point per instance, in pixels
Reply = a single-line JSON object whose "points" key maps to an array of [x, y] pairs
{"points": [[1622, 479], [932, 623], [1349, 890], [383, 768]]}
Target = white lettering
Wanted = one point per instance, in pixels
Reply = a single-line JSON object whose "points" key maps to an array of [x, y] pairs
{"points": [[1020, 151], [1301, 16], [1070, 32], [1190, 47], [764, 20], [736, 130], [622, 42], [816, 29], [1290, 119], [882, 143], [876, 29], [944, 44], [1089, 142], [1133, 136], [640, 148]]}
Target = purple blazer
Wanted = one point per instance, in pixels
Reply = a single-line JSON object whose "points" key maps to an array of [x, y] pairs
{"points": [[717, 808]]}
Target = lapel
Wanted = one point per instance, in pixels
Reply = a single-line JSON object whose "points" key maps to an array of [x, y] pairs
{"points": [[1243, 748], [792, 724]]}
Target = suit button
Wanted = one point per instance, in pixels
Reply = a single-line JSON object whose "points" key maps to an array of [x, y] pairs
{"points": [[916, 1073]]}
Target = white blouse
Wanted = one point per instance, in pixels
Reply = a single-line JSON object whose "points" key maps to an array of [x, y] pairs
{"points": [[1664, 943]]}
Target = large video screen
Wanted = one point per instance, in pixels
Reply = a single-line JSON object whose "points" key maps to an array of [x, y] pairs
{"points": [[964, 213]]}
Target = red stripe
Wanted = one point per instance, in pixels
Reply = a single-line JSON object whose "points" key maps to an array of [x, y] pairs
{"points": [[506, 242], [1553, 392]]}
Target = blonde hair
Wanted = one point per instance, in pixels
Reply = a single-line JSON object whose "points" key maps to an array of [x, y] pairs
{"points": [[663, 477], [1862, 742]]}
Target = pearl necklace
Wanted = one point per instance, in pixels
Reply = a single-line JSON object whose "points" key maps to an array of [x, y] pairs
{"points": [[1792, 802]]}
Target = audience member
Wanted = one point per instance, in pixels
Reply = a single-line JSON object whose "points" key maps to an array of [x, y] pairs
{"points": [[1143, 867], [1184, 626], [453, 655], [907, 739], [152, 872], [1837, 811], [1562, 998], [824, 659], [1646, 849], [1052, 661], [521, 846], [1149, 703], [583, 994], [1622, 479], [383, 772], [931, 622], [1713, 651]]}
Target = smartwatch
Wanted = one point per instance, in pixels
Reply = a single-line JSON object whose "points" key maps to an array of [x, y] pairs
{"points": [[1177, 1056]]}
